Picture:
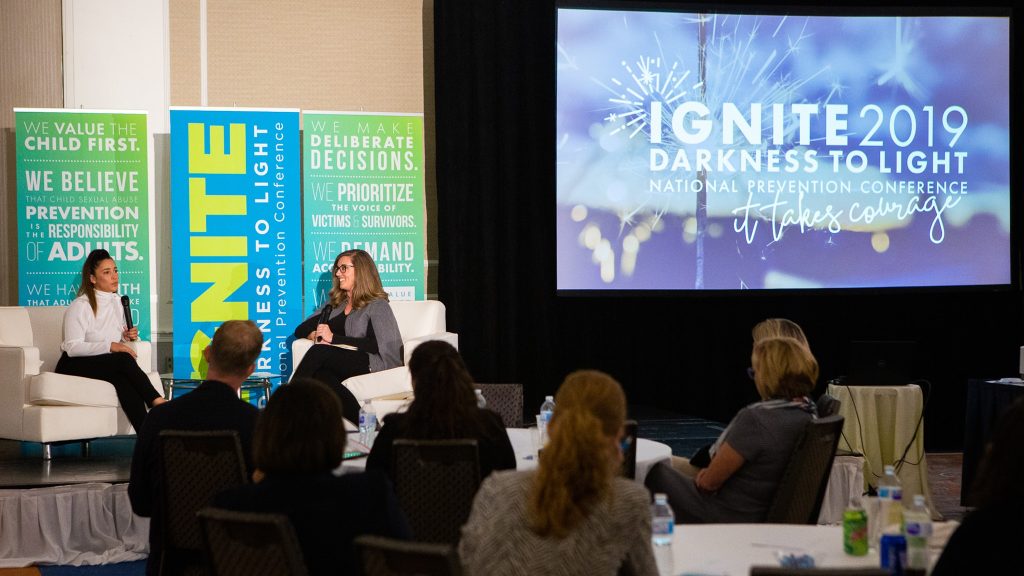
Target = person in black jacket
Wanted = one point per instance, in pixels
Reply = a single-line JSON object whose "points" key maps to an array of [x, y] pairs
{"points": [[986, 542], [444, 408], [300, 439], [214, 405]]}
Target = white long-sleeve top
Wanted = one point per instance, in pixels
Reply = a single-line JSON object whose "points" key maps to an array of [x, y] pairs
{"points": [[88, 334]]}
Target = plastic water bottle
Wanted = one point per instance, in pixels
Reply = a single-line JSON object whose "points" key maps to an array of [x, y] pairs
{"points": [[481, 402], [917, 522], [890, 502], [546, 410], [663, 523], [367, 424]]}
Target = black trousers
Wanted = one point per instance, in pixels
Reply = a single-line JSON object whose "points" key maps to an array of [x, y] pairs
{"points": [[134, 390], [332, 366]]}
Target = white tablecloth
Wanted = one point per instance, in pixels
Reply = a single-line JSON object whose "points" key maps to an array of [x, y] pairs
{"points": [[845, 482], [524, 444], [731, 549], [70, 525]]}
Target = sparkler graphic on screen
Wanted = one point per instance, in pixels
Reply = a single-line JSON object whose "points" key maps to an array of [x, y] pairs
{"points": [[730, 68]]}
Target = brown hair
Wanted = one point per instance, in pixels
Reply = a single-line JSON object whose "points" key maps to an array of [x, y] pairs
{"points": [[300, 430], [779, 328], [783, 368], [444, 404], [578, 464], [367, 287], [92, 262], [235, 347]]}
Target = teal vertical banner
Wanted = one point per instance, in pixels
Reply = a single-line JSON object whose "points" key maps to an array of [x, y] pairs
{"points": [[83, 184], [364, 188], [235, 194]]}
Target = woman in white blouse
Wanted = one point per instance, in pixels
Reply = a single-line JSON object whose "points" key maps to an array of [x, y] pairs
{"points": [[96, 336]]}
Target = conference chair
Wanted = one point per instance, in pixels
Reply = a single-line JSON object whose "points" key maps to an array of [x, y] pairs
{"points": [[250, 544], [435, 481], [196, 466], [506, 400], [828, 405], [387, 557], [837, 571], [629, 449], [802, 488]]}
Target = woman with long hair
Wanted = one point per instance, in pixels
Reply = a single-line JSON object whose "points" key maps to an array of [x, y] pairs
{"points": [[96, 339], [574, 506], [444, 407], [360, 335], [751, 455], [299, 439]]}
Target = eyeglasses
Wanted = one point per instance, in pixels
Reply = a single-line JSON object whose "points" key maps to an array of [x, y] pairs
{"points": [[343, 267], [750, 372]]}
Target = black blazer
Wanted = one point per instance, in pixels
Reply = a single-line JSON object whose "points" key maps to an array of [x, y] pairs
{"points": [[212, 406], [327, 512]]}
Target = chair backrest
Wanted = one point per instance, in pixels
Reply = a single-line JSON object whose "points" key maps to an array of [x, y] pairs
{"points": [[828, 405], [247, 544], [197, 465], [418, 317], [837, 571], [802, 488], [629, 449], [506, 400], [387, 557], [435, 481], [47, 333]]}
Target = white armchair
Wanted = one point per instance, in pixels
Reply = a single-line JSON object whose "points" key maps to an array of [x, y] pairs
{"points": [[418, 321], [39, 405]]}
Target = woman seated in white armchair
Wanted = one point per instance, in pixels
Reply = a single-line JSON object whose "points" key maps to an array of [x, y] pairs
{"points": [[96, 338], [354, 332]]}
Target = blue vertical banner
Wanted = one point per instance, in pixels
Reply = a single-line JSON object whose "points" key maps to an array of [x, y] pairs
{"points": [[236, 237]]}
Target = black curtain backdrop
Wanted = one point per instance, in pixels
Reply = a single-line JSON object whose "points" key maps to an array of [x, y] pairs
{"points": [[495, 95]]}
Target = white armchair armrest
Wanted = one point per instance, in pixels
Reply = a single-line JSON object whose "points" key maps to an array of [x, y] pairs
{"points": [[411, 344]]}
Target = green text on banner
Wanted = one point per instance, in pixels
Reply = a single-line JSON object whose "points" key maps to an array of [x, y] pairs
{"points": [[83, 184], [364, 189]]}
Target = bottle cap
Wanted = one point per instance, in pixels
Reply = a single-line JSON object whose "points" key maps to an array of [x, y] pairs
{"points": [[549, 398], [661, 497]]}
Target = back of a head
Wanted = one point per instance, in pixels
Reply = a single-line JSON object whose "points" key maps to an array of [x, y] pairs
{"points": [[444, 405], [778, 328], [235, 347], [580, 460], [1001, 475], [300, 430], [784, 368]]}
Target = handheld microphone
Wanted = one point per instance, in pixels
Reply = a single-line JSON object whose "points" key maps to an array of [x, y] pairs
{"points": [[325, 315], [125, 301]]}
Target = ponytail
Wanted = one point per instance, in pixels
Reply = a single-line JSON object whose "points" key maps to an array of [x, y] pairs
{"points": [[579, 462]]}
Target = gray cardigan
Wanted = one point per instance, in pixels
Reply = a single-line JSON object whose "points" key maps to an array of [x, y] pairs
{"points": [[385, 329]]}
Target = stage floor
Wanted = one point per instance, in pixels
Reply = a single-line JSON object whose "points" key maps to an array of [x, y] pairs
{"points": [[22, 465]]}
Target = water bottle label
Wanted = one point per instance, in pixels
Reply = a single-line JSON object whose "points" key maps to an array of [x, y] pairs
{"points": [[919, 529], [897, 493], [884, 492]]}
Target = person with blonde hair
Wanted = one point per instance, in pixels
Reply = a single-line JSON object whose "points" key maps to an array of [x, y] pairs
{"points": [[779, 328], [751, 455], [574, 505], [360, 335]]}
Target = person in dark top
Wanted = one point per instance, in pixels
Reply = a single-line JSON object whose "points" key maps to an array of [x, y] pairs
{"points": [[214, 405], [986, 542], [360, 335], [444, 407], [300, 439]]}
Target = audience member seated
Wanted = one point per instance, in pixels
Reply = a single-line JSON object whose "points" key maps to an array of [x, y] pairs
{"points": [[444, 408], [214, 405], [300, 439], [574, 514], [763, 330], [986, 542], [360, 335], [752, 453], [96, 338]]}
